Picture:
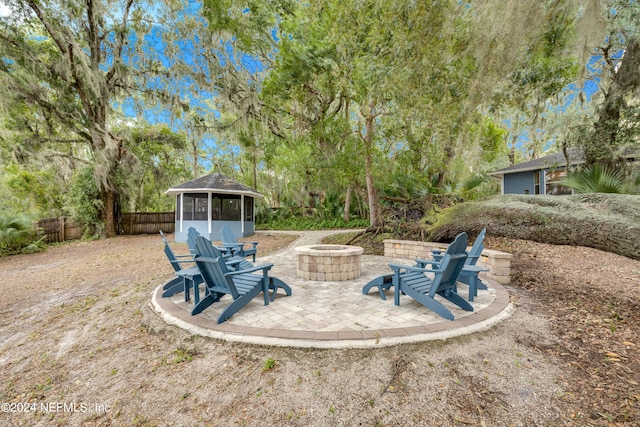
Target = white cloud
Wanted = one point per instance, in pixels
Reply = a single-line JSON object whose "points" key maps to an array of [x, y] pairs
{"points": [[4, 10]]}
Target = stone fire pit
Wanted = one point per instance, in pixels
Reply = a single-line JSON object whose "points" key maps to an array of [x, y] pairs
{"points": [[330, 263]]}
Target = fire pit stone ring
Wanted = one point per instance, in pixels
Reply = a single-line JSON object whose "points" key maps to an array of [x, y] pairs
{"points": [[329, 263]]}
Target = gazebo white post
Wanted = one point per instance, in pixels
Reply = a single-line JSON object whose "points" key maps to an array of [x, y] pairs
{"points": [[209, 212], [242, 213], [181, 209]]}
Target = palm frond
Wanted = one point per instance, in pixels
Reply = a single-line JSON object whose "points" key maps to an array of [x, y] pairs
{"points": [[596, 179]]}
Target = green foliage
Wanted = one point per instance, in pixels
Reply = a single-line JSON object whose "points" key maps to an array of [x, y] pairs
{"points": [[306, 223], [325, 211], [269, 364], [17, 235], [161, 164], [184, 354], [478, 186], [596, 179], [491, 139], [247, 21], [35, 191], [84, 203]]}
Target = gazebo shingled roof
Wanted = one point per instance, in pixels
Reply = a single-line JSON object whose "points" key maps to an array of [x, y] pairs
{"points": [[213, 182]]}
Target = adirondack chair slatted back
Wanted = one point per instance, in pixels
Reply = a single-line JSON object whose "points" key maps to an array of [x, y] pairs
{"points": [[477, 248], [451, 265], [228, 239], [213, 272], [164, 238], [192, 233], [203, 247], [227, 236], [172, 257]]}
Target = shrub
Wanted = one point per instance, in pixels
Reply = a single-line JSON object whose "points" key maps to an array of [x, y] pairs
{"points": [[17, 235], [597, 179], [83, 202]]}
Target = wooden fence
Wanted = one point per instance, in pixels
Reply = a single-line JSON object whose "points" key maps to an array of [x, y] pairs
{"points": [[147, 222], [64, 228], [59, 229]]}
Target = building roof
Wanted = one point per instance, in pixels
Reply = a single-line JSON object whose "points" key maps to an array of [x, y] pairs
{"points": [[551, 161], [213, 183]]}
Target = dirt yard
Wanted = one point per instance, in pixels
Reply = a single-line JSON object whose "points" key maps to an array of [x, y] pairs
{"points": [[81, 347]]}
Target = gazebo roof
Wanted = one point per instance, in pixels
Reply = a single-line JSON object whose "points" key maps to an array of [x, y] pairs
{"points": [[213, 183]]}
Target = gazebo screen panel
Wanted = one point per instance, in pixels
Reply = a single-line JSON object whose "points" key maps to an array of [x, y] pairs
{"points": [[231, 208], [194, 207], [248, 208]]}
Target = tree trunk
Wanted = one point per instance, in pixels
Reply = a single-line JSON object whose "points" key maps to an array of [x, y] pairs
{"points": [[347, 204], [255, 173], [109, 213], [448, 155], [372, 194], [195, 158], [602, 148]]}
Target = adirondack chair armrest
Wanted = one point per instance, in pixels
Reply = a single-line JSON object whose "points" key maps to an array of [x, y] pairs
{"points": [[223, 249], [473, 269], [232, 246], [182, 261], [398, 267], [230, 249], [422, 263], [266, 267]]}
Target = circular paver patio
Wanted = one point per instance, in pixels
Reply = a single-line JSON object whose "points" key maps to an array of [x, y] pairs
{"points": [[334, 314]]}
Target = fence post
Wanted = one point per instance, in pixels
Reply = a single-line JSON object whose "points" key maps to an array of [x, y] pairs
{"points": [[61, 225]]}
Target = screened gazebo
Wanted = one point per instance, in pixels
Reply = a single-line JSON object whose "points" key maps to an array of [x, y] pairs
{"points": [[209, 202]]}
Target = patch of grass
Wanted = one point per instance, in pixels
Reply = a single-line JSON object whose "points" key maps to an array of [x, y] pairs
{"points": [[269, 364], [183, 354], [46, 386], [80, 306], [141, 421]]}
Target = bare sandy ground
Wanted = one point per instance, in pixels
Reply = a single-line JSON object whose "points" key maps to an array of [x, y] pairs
{"points": [[81, 347]]}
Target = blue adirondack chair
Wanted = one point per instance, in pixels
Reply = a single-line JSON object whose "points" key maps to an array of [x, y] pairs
{"points": [[204, 248], [470, 272], [186, 277], [230, 241], [413, 281], [192, 234]]}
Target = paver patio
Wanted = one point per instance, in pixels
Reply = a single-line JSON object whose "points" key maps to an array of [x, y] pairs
{"points": [[335, 314]]}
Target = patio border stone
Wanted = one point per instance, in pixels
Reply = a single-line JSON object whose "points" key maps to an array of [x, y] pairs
{"points": [[499, 309]]}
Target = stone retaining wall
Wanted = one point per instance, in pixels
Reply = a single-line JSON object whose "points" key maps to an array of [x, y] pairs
{"points": [[498, 263]]}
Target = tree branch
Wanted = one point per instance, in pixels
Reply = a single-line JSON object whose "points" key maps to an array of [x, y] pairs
{"points": [[59, 41], [67, 156], [117, 56]]}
